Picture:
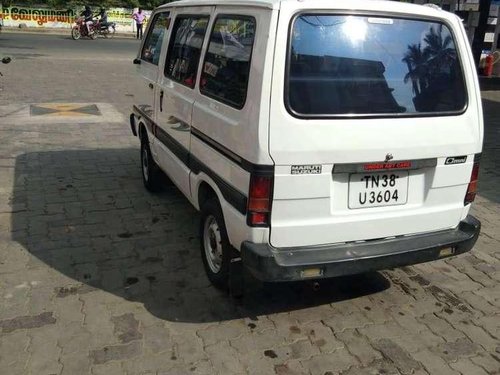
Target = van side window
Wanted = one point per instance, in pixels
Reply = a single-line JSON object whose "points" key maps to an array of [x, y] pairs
{"points": [[185, 49], [152, 45], [227, 62]]}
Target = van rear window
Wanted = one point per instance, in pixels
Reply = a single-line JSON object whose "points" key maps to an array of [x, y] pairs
{"points": [[342, 65]]}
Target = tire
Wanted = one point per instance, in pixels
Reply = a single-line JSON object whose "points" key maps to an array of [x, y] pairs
{"points": [[93, 35], [151, 173], [75, 33], [216, 252]]}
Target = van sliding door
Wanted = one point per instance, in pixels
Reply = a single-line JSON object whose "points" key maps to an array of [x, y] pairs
{"points": [[176, 92]]}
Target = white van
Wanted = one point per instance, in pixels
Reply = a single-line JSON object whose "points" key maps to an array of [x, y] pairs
{"points": [[317, 138]]}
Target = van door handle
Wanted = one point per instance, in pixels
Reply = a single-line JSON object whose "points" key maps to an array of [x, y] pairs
{"points": [[161, 101], [151, 86]]}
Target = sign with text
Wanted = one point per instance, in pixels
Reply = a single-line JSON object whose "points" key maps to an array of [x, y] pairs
{"points": [[13, 16], [37, 17]]}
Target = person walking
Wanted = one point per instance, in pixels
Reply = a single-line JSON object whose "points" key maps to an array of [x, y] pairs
{"points": [[139, 18]]}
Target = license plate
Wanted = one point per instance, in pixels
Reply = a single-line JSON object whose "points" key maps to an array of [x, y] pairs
{"points": [[378, 189]]}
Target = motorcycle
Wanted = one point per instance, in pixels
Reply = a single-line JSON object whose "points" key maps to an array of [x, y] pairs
{"points": [[106, 29], [80, 30], [97, 28]]}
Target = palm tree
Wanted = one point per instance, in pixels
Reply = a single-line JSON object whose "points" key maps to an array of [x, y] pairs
{"points": [[416, 59], [430, 65], [441, 50]]}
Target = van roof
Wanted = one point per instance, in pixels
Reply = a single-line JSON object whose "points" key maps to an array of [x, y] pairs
{"points": [[271, 4], [386, 5]]}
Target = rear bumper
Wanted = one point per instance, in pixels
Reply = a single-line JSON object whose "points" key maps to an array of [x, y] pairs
{"points": [[269, 264]]}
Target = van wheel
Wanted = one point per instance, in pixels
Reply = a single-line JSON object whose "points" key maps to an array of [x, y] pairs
{"points": [[215, 248], [151, 174]]}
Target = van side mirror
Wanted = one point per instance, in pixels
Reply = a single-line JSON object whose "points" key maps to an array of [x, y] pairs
{"points": [[137, 61], [6, 60]]}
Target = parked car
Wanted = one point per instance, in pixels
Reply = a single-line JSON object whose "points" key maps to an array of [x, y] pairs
{"points": [[317, 139]]}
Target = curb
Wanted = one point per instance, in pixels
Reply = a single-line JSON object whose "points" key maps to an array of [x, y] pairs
{"points": [[62, 32]]}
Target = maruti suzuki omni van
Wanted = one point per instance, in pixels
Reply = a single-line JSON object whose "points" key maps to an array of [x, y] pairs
{"points": [[317, 138]]}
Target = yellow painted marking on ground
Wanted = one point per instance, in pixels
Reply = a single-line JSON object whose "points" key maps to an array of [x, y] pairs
{"points": [[64, 109]]}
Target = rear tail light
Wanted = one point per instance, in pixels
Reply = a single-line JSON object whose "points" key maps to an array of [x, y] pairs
{"points": [[259, 200], [472, 188]]}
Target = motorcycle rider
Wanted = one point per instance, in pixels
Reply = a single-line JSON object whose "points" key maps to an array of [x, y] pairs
{"points": [[103, 18], [88, 17]]}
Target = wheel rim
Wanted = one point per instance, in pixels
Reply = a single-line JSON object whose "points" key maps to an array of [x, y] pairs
{"points": [[212, 244], [145, 164], [76, 34]]}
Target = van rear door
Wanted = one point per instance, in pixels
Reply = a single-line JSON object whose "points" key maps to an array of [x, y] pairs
{"points": [[375, 128]]}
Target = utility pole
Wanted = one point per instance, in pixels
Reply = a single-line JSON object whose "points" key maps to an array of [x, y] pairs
{"points": [[478, 41]]}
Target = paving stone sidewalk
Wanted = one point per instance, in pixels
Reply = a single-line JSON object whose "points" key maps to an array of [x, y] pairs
{"points": [[97, 276]]}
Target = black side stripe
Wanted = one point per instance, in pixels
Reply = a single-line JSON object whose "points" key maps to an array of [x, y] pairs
{"points": [[143, 115], [245, 164], [232, 195], [217, 146], [172, 144]]}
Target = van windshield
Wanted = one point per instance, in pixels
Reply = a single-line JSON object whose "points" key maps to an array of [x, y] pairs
{"points": [[362, 65]]}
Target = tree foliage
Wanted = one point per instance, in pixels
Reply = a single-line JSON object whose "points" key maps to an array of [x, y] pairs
{"points": [[65, 4], [428, 65]]}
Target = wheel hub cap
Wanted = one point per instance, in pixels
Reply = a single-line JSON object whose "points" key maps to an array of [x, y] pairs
{"points": [[212, 244]]}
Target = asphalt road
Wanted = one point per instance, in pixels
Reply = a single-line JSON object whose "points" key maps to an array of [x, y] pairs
{"points": [[55, 68], [45, 46]]}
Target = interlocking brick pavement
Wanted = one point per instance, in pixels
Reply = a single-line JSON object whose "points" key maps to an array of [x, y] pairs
{"points": [[98, 276]]}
